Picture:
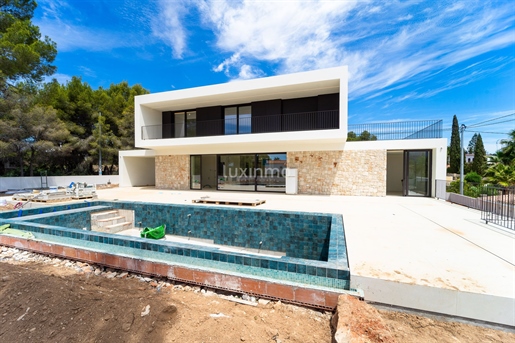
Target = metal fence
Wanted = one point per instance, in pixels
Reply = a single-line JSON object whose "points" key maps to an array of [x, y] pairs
{"points": [[498, 206], [496, 203], [398, 130], [237, 125]]}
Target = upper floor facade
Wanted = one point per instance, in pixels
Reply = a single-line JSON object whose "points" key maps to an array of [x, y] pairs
{"points": [[301, 111]]}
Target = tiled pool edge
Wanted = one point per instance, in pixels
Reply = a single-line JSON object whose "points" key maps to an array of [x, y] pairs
{"points": [[334, 273], [306, 296]]}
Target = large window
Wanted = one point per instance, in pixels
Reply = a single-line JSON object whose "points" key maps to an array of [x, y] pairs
{"points": [[252, 172], [185, 124], [195, 172], [238, 120]]}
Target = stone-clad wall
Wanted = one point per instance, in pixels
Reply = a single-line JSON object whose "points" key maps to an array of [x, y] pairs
{"points": [[348, 172], [173, 172]]}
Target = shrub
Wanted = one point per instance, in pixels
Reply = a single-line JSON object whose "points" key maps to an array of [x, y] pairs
{"points": [[473, 177]]}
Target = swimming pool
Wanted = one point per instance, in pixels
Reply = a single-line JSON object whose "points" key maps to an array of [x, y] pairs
{"points": [[312, 245]]}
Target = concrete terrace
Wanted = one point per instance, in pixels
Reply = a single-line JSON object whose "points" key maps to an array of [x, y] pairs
{"points": [[421, 253]]}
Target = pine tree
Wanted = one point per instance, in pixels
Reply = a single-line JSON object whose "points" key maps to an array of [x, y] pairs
{"points": [[454, 150], [479, 162], [472, 144]]}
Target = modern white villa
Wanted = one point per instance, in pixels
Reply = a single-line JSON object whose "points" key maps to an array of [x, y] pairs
{"points": [[285, 133]]}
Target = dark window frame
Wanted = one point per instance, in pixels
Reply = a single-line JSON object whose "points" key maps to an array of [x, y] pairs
{"points": [[238, 118], [185, 118]]}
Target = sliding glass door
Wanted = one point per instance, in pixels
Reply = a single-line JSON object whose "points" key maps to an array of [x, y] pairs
{"points": [[185, 124], [417, 173], [252, 172], [236, 172], [195, 172]]}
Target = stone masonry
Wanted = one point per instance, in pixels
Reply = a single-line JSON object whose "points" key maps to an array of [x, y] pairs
{"points": [[173, 172], [347, 172]]}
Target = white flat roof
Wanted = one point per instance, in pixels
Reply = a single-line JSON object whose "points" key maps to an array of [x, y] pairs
{"points": [[317, 82]]}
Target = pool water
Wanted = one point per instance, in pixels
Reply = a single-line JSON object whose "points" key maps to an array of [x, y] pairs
{"points": [[306, 248]]}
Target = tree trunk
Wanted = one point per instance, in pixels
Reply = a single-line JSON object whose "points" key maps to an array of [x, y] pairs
{"points": [[31, 161], [21, 164]]}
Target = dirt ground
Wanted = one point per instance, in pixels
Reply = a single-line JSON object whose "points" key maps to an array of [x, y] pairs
{"points": [[45, 299]]}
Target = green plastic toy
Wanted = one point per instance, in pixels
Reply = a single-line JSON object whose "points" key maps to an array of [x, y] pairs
{"points": [[154, 233]]}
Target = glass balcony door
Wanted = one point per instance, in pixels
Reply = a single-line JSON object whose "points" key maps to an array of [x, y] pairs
{"points": [[179, 124], [185, 124], [238, 120]]}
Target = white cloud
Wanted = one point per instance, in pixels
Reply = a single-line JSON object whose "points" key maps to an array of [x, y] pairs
{"points": [[169, 27], [297, 35], [381, 53], [61, 78]]}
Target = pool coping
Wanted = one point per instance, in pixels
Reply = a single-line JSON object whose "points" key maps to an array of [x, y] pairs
{"points": [[297, 294]]}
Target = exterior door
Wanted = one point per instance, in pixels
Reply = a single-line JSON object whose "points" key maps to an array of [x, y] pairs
{"points": [[417, 173]]}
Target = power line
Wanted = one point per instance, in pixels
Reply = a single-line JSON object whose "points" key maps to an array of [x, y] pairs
{"points": [[487, 121], [493, 133], [499, 122]]}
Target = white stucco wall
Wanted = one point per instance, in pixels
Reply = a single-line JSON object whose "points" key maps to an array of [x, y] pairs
{"points": [[137, 168], [148, 109]]}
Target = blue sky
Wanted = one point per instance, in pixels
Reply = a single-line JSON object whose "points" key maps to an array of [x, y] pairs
{"points": [[408, 60]]}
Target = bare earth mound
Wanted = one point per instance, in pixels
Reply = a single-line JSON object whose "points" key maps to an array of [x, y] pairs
{"points": [[45, 299]]}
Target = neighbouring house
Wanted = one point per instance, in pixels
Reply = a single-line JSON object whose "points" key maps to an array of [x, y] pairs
{"points": [[469, 158], [271, 133]]}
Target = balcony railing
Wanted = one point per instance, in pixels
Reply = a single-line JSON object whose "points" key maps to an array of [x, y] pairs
{"points": [[396, 130], [306, 121]]}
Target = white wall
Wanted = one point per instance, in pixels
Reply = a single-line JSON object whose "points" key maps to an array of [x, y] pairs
{"points": [[137, 168], [148, 110], [33, 182], [322, 140]]}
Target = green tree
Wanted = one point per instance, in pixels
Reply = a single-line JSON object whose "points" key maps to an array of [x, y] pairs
{"points": [[501, 174], [367, 136], [455, 147], [31, 134], [479, 162], [24, 55], [363, 136], [472, 144], [508, 150]]}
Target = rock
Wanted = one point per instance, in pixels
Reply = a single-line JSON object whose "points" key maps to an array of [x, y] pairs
{"points": [[356, 321], [263, 302], [153, 284], [146, 311], [187, 288], [122, 275]]}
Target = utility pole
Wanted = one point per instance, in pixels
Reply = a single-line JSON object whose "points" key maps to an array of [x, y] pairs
{"points": [[462, 129], [100, 144]]}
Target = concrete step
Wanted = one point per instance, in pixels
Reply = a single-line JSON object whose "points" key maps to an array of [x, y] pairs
{"points": [[104, 215], [119, 226], [111, 219]]}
